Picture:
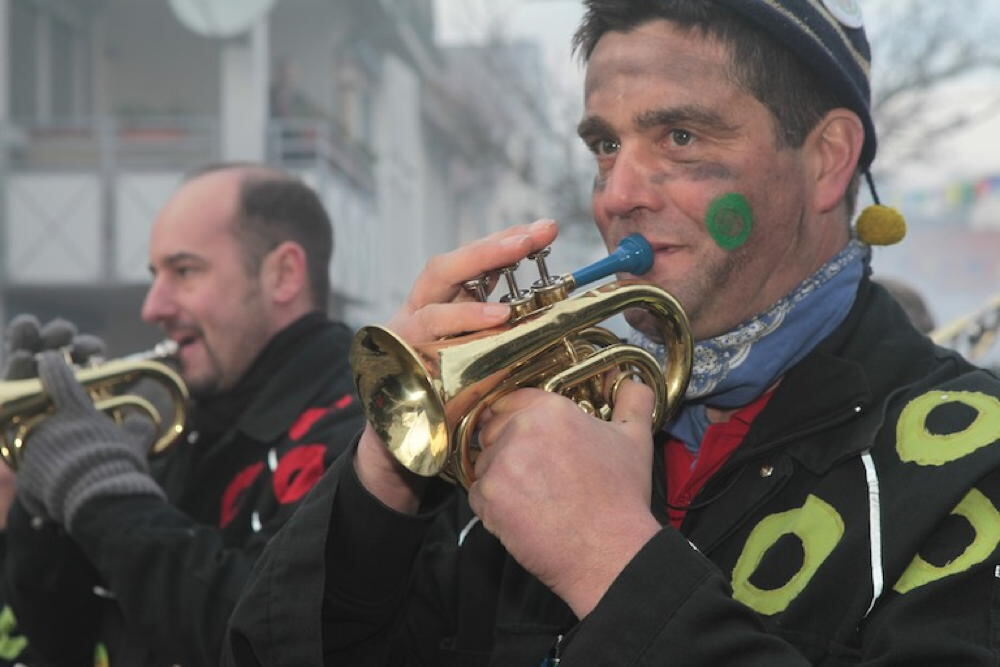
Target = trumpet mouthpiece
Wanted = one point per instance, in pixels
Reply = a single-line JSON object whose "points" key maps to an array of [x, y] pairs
{"points": [[165, 348], [162, 350], [633, 255]]}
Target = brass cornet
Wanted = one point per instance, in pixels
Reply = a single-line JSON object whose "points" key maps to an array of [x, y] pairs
{"points": [[24, 403], [424, 401]]}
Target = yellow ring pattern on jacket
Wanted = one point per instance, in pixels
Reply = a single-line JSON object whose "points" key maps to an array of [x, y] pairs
{"points": [[817, 524], [985, 521], [916, 444]]}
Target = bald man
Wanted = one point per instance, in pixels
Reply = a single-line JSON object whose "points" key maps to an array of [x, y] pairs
{"points": [[142, 560]]}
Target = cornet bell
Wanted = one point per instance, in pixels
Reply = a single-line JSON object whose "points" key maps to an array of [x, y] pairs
{"points": [[401, 397]]}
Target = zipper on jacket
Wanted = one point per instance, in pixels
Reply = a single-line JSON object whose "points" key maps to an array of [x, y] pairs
{"points": [[555, 654]]}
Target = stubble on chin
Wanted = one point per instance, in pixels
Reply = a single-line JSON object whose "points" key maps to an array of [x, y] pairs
{"points": [[702, 296], [205, 384], [202, 388]]}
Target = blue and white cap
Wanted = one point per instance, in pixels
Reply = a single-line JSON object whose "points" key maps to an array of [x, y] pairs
{"points": [[829, 37]]}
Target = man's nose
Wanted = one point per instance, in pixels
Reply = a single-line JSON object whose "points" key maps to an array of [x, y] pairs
{"points": [[630, 184], [158, 304]]}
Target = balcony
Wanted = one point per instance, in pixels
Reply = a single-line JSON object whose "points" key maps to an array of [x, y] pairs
{"points": [[110, 143], [304, 143]]}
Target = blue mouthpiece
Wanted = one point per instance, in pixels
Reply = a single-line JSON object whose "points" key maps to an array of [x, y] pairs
{"points": [[633, 255]]}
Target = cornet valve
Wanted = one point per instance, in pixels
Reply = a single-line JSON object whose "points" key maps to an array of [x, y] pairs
{"points": [[543, 271], [476, 287], [520, 301], [547, 290]]}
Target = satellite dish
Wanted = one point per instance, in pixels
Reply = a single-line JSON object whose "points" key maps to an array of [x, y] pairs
{"points": [[220, 18]]}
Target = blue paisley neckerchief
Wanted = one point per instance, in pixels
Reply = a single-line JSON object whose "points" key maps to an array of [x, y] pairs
{"points": [[734, 368]]}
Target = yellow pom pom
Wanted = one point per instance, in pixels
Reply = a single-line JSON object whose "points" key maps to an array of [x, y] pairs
{"points": [[881, 225]]}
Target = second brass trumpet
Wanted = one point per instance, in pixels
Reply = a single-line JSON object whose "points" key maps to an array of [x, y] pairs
{"points": [[24, 403]]}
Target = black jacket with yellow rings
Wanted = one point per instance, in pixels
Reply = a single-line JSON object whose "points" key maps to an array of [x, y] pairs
{"points": [[857, 524]]}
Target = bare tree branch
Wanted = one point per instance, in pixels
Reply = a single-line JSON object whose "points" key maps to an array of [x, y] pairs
{"points": [[927, 56]]}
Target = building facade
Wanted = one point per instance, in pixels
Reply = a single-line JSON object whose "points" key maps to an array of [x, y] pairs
{"points": [[106, 104]]}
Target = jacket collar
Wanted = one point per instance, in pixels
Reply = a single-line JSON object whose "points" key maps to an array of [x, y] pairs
{"points": [[831, 405], [305, 373], [294, 367]]}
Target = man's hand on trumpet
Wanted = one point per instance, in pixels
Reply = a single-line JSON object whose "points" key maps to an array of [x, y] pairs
{"points": [[566, 493], [552, 482], [438, 306], [79, 454], [25, 337]]}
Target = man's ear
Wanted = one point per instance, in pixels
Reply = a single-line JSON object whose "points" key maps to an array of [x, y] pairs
{"points": [[834, 147], [284, 273]]}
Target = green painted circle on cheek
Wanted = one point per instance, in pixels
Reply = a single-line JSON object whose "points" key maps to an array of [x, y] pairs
{"points": [[729, 220]]}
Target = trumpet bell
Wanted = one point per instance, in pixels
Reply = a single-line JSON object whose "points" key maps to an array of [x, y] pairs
{"points": [[401, 400]]}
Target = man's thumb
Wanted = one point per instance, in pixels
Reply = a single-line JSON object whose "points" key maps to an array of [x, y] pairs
{"points": [[633, 404]]}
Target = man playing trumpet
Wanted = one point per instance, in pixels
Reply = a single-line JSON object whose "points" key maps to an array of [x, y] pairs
{"points": [[827, 493], [148, 558]]}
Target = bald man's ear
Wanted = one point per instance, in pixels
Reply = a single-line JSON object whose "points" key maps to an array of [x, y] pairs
{"points": [[284, 272], [834, 147]]}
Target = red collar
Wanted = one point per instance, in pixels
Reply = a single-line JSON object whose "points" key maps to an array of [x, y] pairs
{"points": [[687, 473]]}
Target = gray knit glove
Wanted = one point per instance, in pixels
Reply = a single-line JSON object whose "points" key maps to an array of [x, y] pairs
{"points": [[79, 453], [25, 337]]}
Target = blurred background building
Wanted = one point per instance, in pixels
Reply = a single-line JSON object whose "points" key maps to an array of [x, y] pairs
{"points": [[105, 104], [423, 124]]}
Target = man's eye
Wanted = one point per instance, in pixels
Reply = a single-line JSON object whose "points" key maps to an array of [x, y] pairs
{"points": [[681, 137], [603, 147]]}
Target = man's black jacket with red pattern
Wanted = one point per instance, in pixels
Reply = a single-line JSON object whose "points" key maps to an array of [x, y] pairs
{"points": [[175, 569]]}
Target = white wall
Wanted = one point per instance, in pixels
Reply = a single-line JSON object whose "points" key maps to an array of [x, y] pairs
{"points": [[53, 228], [55, 231], [138, 198]]}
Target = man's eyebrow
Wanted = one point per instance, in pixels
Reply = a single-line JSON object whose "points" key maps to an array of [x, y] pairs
{"points": [[593, 125], [684, 115], [177, 258]]}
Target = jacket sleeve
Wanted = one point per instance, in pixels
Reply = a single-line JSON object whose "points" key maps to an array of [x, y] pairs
{"points": [[362, 551], [147, 550], [49, 585], [681, 614]]}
